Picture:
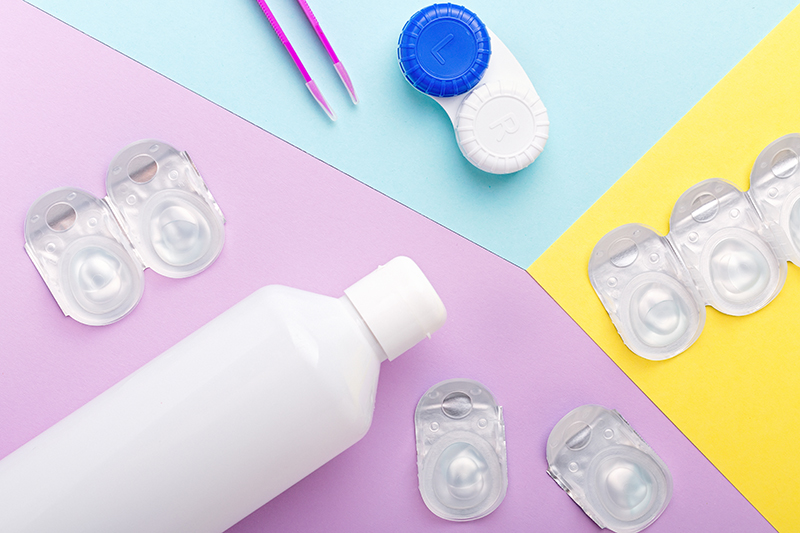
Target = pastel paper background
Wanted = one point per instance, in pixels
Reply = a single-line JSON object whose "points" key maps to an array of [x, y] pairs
{"points": [[69, 104], [736, 392], [614, 76]]}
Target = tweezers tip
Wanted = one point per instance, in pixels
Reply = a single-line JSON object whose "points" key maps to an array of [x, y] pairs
{"points": [[317, 94], [345, 77]]}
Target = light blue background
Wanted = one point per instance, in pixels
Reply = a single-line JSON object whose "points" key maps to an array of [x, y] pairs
{"points": [[614, 75]]}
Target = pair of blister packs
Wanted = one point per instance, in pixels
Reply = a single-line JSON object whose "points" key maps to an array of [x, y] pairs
{"points": [[92, 252], [597, 458], [725, 248], [592, 453], [448, 53]]}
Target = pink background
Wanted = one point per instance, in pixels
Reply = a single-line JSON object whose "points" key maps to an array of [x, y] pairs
{"points": [[68, 104]]}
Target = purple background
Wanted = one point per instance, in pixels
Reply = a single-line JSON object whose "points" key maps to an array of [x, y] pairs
{"points": [[68, 104]]}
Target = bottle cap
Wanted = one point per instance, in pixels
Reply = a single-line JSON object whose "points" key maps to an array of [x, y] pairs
{"points": [[398, 304], [444, 50]]}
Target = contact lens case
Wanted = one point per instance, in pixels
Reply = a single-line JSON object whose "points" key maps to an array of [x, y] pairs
{"points": [[600, 461], [448, 53], [91, 252], [725, 248], [461, 450]]}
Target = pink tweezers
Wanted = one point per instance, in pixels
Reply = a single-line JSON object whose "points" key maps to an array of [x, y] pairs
{"points": [[312, 87]]}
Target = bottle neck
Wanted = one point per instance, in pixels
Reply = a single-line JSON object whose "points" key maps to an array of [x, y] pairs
{"points": [[363, 328]]}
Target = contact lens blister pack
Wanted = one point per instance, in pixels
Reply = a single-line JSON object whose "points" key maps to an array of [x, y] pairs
{"points": [[725, 248], [461, 450], [92, 252], [595, 456], [775, 191], [448, 53]]}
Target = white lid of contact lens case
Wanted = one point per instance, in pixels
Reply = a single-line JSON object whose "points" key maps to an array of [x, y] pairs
{"points": [[608, 470], [461, 450], [91, 252], [501, 125]]}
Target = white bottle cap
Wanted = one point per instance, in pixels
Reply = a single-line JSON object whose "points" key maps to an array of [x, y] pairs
{"points": [[398, 304]]}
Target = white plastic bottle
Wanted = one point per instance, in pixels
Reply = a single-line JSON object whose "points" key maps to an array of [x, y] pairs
{"points": [[226, 419]]}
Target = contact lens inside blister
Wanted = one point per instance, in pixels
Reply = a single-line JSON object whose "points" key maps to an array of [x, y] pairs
{"points": [[659, 313], [738, 270], [83, 256], [608, 470], [727, 247], [461, 454], [169, 214], [643, 284]]}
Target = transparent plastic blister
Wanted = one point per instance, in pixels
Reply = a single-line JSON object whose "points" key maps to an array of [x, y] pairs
{"points": [[595, 456], [775, 191], [83, 256], [446, 52], [725, 248], [647, 291], [91, 252], [166, 209], [461, 450]]}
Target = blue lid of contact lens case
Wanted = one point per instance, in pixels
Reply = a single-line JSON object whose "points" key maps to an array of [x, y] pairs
{"points": [[444, 50]]}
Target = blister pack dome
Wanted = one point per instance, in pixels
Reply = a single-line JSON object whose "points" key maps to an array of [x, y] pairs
{"points": [[461, 450], [595, 456]]}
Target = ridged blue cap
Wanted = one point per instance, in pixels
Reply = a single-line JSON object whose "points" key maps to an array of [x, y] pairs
{"points": [[444, 50]]}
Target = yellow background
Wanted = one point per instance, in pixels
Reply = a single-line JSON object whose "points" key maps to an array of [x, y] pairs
{"points": [[736, 392]]}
